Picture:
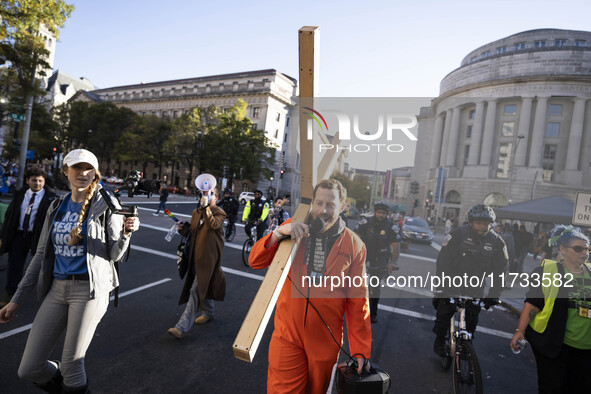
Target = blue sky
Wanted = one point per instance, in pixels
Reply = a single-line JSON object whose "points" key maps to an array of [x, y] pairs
{"points": [[367, 48]]}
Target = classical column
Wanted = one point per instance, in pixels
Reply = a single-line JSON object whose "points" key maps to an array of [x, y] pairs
{"points": [[436, 144], [523, 129], [452, 147], [538, 133], [476, 134], [576, 134], [446, 131], [489, 133]]}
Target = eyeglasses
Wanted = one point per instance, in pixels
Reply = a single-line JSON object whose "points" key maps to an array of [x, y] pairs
{"points": [[579, 248]]}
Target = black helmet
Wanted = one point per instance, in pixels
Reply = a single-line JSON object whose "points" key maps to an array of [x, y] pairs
{"points": [[228, 191], [381, 206], [258, 191], [481, 211]]}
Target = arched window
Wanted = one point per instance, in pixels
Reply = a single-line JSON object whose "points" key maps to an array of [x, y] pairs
{"points": [[453, 197], [496, 200]]}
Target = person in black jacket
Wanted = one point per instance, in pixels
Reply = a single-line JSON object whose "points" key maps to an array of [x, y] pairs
{"points": [[23, 221], [472, 250]]}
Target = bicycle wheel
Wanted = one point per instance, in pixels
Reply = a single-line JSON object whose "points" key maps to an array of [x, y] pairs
{"points": [[446, 360], [246, 250], [467, 377], [232, 233]]}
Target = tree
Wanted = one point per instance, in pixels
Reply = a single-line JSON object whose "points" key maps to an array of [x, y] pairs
{"points": [[359, 188], [186, 142], [144, 141], [22, 48], [234, 149]]}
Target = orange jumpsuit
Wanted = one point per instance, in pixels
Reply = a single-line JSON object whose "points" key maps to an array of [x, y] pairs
{"points": [[302, 352]]}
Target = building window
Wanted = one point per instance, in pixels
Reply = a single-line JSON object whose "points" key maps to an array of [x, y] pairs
{"points": [[472, 114], [285, 137], [552, 129], [469, 132], [287, 122], [504, 159], [485, 54], [580, 43], [473, 59], [501, 50], [511, 109], [548, 161], [276, 133], [175, 114], [466, 154], [256, 111], [278, 117], [519, 46], [255, 126], [555, 110], [508, 128], [540, 44], [560, 43]]}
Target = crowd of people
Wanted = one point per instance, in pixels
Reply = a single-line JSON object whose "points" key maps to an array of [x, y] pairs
{"points": [[69, 245]]}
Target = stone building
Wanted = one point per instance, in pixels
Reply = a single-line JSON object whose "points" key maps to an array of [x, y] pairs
{"points": [[512, 123], [268, 94]]}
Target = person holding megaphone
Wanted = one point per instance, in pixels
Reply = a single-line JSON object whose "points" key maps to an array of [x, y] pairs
{"points": [[205, 281]]}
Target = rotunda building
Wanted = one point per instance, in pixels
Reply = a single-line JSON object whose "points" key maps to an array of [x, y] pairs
{"points": [[511, 124]]}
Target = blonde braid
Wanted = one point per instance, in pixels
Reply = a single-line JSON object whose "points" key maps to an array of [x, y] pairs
{"points": [[75, 234]]}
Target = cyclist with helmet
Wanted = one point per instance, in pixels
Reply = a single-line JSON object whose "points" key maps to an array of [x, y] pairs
{"points": [[257, 211], [230, 205], [382, 242], [472, 250]]}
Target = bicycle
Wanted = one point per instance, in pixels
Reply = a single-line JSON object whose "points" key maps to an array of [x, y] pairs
{"points": [[467, 375], [229, 230], [249, 243]]}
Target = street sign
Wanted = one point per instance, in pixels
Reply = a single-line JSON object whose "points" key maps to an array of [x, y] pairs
{"points": [[30, 154], [17, 117], [582, 212]]}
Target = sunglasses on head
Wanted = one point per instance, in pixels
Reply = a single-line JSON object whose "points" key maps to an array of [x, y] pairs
{"points": [[579, 248]]}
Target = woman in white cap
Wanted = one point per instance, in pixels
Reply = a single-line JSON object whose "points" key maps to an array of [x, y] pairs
{"points": [[73, 269]]}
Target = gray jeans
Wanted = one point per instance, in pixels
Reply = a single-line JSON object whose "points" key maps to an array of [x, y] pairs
{"points": [[66, 306], [193, 308]]}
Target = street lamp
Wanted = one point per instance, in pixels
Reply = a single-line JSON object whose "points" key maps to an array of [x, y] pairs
{"points": [[512, 164]]}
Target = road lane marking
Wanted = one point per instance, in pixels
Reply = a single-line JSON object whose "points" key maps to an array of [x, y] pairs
{"points": [[121, 295], [436, 246], [174, 257], [423, 316]]}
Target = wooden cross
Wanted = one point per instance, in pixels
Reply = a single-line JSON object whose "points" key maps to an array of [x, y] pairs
{"points": [[255, 322]]}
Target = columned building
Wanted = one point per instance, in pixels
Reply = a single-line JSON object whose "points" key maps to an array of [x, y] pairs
{"points": [[511, 124], [268, 94]]}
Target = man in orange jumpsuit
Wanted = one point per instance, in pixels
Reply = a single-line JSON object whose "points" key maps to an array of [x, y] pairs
{"points": [[302, 352]]}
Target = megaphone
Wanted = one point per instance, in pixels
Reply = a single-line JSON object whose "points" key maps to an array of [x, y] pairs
{"points": [[205, 183]]}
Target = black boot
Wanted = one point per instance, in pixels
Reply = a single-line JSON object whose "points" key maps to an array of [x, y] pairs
{"points": [[54, 385], [439, 346]]}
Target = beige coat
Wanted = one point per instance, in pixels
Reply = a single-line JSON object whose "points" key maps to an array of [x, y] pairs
{"points": [[206, 247]]}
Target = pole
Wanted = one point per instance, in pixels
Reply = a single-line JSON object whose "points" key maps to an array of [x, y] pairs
{"points": [[512, 164], [22, 165]]}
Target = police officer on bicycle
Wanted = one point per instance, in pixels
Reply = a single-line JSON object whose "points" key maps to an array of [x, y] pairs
{"points": [[257, 211], [382, 242], [470, 251], [230, 205]]}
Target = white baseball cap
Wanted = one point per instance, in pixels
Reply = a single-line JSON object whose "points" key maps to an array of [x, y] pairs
{"points": [[81, 156]]}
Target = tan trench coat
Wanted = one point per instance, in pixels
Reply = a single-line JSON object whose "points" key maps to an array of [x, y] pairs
{"points": [[206, 247]]}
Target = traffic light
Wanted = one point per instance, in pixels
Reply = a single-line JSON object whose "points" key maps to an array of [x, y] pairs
{"points": [[16, 145], [427, 202], [415, 203], [281, 173]]}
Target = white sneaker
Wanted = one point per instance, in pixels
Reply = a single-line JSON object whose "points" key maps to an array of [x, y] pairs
{"points": [[155, 214]]}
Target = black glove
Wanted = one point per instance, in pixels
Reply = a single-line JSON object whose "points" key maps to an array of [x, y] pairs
{"points": [[488, 302]]}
